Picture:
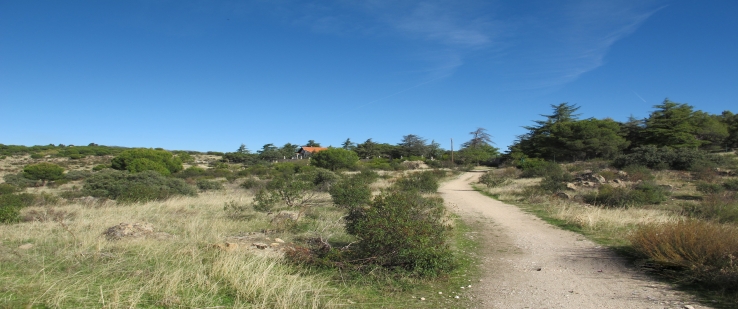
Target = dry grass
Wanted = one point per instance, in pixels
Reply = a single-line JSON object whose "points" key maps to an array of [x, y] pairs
{"points": [[71, 264]]}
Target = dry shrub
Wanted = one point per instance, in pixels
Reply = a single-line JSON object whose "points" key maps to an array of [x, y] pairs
{"points": [[43, 214], [702, 251]]}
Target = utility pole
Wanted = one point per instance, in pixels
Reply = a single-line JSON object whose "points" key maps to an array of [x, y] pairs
{"points": [[452, 151]]}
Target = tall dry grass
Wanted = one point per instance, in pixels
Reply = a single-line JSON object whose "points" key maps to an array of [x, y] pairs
{"points": [[72, 265]]}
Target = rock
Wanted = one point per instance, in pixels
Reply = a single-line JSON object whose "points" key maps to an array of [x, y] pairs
{"points": [[599, 179], [617, 181], [25, 246], [279, 240], [274, 244], [260, 245], [422, 298], [688, 307], [571, 186], [622, 174], [134, 230], [563, 195]]}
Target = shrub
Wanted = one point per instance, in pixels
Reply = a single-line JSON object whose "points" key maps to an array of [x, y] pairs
{"points": [[126, 187], [36, 156], [534, 167], [664, 157], [720, 207], [251, 183], [335, 159], [321, 178], [731, 184], [10, 205], [350, 193], [641, 194], [265, 200], [423, 182], [555, 182], [77, 175], [43, 171], [6, 188], [139, 160], [638, 173], [208, 185], [19, 180], [702, 251], [491, 180], [402, 229], [100, 167], [366, 176], [709, 188]]}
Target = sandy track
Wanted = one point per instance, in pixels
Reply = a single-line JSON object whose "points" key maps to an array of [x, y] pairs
{"points": [[528, 263]]}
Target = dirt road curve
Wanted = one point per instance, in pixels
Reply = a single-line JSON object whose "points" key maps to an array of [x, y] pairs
{"points": [[528, 263]]}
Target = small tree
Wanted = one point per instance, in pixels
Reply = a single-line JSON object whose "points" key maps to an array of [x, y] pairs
{"points": [[43, 171], [139, 160], [335, 158]]}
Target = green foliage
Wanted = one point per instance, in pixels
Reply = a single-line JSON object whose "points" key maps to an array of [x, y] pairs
{"points": [[709, 188], [703, 252], [335, 159], [351, 192], [402, 229], [638, 173], [640, 194], [100, 167], [671, 125], [251, 183], [6, 188], [491, 180], [127, 187], [19, 180], [43, 171], [37, 156], [662, 158], [139, 160], [77, 175], [555, 182], [731, 184], [426, 181], [185, 157], [10, 205], [534, 167], [719, 207], [265, 200], [322, 179], [209, 185]]}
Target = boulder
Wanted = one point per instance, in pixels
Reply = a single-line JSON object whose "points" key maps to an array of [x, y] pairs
{"points": [[571, 186]]}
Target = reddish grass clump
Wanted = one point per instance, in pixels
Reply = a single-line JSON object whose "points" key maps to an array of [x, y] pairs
{"points": [[705, 252]]}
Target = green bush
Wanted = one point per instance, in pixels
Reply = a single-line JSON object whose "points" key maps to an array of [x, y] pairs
{"points": [[351, 192], [640, 194], [251, 183], [77, 175], [491, 180], [19, 180], [366, 176], [402, 229], [127, 187], [6, 188], [638, 173], [265, 200], [10, 205], [100, 167], [43, 171], [335, 159], [209, 185], [720, 207], [709, 188], [36, 156], [426, 181], [555, 182], [139, 160], [663, 158], [534, 167], [321, 178], [731, 184], [191, 172]]}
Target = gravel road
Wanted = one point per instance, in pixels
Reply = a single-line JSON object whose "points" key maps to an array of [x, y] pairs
{"points": [[528, 263]]}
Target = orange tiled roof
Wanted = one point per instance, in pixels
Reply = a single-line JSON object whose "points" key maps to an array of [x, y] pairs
{"points": [[313, 149]]}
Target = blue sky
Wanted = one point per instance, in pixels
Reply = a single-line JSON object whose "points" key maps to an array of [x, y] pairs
{"points": [[210, 75]]}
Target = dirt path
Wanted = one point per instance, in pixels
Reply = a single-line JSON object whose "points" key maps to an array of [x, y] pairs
{"points": [[528, 263]]}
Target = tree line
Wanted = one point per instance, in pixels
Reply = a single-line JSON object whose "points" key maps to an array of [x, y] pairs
{"points": [[563, 136]]}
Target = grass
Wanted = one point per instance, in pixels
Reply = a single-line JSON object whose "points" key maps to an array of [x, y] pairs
{"points": [[71, 264]]}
